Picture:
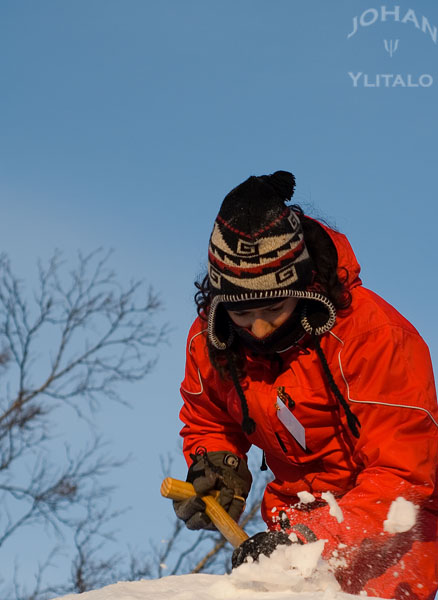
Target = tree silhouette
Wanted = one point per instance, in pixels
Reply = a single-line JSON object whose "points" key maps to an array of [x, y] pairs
{"points": [[66, 346]]}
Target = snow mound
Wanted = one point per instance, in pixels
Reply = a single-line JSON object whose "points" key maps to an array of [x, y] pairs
{"points": [[196, 587], [291, 573]]}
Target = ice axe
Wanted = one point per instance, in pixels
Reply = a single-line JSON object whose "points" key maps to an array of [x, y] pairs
{"points": [[181, 490]]}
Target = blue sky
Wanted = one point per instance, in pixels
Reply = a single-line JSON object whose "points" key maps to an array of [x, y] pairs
{"points": [[125, 122]]}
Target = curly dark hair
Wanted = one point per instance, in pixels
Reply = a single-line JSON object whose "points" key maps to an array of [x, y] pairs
{"points": [[327, 280]]}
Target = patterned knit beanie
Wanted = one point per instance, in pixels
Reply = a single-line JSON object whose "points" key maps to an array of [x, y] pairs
{"points": [[257, 251]]}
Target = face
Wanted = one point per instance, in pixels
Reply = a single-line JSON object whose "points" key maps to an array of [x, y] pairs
{"points": [[261, 322]]}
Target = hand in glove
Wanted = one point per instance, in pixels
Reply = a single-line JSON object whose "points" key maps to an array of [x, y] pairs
{"points": [[222, 471], [264, 542]]}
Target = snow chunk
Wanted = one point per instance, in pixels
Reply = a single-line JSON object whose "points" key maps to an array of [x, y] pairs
{"points": [[294, 568], [402, 516], [335, 509], [306, 497]]}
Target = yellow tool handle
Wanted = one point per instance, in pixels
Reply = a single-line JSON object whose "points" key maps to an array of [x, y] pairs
{"points": [[181, 490]]}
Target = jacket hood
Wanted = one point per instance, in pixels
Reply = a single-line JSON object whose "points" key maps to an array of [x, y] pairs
{"points": [[346, 257]]}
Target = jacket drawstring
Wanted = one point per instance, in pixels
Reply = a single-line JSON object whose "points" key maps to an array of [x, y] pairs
{"points": [[248, 424]]}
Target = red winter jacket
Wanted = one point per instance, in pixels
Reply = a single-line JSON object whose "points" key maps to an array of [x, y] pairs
{"points": [[383, 369]]}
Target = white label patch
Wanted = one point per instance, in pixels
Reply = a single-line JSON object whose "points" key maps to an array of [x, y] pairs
{"points": [[291, 423]]}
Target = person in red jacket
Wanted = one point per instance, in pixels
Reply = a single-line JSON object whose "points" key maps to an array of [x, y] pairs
{"points": [[291, 353]]}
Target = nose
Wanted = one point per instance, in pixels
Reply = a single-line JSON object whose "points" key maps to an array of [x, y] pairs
{"points": [[261, 328]]}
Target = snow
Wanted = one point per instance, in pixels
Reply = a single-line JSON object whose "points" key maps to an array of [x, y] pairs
{"points": [[335, 509], [402, 516], [291, 573], [306, 497], [196, 587]]}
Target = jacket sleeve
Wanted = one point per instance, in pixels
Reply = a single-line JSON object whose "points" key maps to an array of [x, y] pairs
{"points": [[204, 411], [387, 378]]}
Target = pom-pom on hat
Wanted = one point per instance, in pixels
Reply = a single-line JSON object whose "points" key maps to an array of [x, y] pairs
{"points": [[257, 249]]}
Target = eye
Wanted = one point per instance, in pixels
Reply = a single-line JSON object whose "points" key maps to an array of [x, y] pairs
{"points": [[238, 313], [276, 307]]}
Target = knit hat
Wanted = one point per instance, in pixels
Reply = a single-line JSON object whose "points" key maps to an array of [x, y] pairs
{"points": [[257, 251]]}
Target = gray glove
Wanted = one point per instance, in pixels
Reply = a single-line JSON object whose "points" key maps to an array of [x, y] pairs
{"points": [[222, 471]]}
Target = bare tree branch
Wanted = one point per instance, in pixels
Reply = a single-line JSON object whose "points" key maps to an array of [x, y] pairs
{"points": [[67, 345]]}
